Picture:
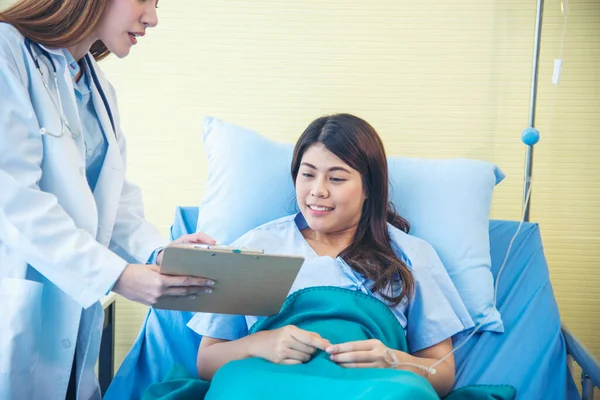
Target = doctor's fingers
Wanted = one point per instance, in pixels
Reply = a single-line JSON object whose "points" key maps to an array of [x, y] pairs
{"points": [[185, 291], [185, 281]]}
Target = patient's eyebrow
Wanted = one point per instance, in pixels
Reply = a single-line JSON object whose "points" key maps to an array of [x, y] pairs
{"points": [[330, 169]]}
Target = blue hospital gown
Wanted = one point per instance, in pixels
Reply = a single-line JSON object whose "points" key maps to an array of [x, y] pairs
{"points": [[434, 313]]}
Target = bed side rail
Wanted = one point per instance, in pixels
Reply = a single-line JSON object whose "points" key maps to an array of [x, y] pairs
{"points": [[590, 375]]}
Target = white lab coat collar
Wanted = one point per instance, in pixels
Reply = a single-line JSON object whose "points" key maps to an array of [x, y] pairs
{"points": [[57, 51]]}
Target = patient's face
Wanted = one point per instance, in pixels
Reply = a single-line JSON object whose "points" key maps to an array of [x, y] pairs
{"points": [[330, 194]]}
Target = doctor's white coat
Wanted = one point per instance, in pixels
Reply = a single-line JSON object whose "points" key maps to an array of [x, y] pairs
{"points": [[55, 234]]}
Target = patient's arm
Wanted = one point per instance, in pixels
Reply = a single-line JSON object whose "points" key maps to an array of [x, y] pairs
{"points": [[443, 380], [286, 345], [371, 354], [214, 353]]}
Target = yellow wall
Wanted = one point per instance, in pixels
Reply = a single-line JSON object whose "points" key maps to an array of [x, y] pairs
{"points": [[436, 78]]}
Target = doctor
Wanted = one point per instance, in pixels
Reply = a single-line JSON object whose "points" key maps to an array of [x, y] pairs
{"points": [[72, 227]]}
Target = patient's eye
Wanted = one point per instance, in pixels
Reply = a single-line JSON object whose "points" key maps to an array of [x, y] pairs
{"points": [[307, 175], [338, 179]]}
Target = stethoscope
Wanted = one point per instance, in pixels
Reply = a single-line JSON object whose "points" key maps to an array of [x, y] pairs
{"points": [[65, 127]]}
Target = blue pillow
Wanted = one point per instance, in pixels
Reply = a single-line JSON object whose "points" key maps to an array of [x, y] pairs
{"points": [[446, 202]]}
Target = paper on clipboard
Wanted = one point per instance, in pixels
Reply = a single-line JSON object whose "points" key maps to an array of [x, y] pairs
{"points": [[248, 282]]}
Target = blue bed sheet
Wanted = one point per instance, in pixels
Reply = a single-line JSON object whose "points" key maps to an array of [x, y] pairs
{"points": [[530, 355]]}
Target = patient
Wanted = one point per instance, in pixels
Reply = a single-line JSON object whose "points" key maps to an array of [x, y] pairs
{"points": [[352, 239]]}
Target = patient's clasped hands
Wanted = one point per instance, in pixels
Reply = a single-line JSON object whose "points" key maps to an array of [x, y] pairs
{"points": [[287, 345], [361, 354], [292, 345]]}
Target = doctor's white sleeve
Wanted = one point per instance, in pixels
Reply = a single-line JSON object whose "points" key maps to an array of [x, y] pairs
{"points": [[34, 227]]}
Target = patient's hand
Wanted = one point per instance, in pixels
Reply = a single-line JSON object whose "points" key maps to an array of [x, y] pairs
{"points": [[287, 345], [361, 354]]}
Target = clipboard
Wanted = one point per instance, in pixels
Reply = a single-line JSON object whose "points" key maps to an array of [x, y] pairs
{"points": [[247, 281]]}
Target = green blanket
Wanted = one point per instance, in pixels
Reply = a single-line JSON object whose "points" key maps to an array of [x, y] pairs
{"points": [[338, 315]]}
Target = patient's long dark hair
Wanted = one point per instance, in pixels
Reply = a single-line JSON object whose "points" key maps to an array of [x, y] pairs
{"points": [[356, 143]]}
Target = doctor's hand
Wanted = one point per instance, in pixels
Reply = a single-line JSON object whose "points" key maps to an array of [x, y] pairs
{"points": [[361, 354], [198, 237], [145, 284], [286, 345]]}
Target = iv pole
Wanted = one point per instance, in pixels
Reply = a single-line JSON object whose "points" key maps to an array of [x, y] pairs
{"points": [[531, 135]]}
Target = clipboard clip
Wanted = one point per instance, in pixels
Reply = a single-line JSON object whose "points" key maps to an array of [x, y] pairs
{"points": [[221, 248]]}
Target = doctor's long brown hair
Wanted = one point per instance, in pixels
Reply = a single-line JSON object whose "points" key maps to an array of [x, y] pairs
{"points": [[57, 23], [356, 143]]}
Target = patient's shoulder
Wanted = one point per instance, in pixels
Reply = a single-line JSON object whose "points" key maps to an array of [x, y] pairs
{"points": [[282, 224], [279, 222], [416, 250], [272, 236]]}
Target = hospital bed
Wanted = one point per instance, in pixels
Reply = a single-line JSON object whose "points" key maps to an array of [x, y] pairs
{"points": [[534, 354]]}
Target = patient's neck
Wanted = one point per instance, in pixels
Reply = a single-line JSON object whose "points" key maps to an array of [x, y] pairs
{"points": [[329, 244]]}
